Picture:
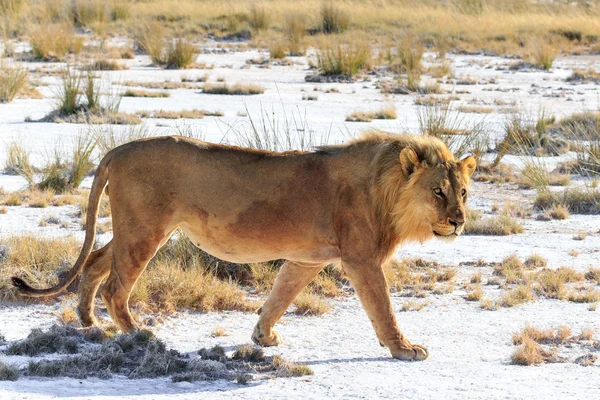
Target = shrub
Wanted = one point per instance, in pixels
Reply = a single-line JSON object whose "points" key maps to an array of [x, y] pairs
{"points": [[150, 39], [343, 59], [333, 18], [475, 295], [543, 55], [13, 80], [286, 368]]}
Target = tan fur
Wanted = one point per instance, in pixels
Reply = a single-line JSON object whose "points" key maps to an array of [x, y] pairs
{"points": [[354, 203]]}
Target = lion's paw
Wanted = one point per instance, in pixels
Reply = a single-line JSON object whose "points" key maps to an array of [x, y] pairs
{"points": [[261, 339], [413, 353]]}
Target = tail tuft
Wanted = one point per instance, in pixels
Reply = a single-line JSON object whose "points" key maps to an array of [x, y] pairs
{"points": [[20, 284]]}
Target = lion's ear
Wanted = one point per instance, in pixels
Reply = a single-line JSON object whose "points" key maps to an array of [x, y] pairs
{"points": [[467, 166], [409, 161]]}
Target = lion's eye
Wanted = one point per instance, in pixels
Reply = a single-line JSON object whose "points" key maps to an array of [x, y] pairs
{"points": [[438, 192], [463, 192]]}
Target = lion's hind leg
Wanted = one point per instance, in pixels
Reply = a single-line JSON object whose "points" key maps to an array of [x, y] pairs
{"points": [[95, 270], [131, 254], [291, 279]]}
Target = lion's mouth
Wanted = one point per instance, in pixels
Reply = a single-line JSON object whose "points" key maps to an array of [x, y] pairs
{"points": [[448, 236]]}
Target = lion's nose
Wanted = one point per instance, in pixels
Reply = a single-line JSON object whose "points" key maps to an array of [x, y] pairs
{"points": [[454, 223]]}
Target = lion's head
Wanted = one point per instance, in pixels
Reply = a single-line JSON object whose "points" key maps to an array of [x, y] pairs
{"points": [[423, 189], [441, 188]]}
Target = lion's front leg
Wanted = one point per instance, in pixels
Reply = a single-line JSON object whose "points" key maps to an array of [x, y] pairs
{"points": [[372, 289], [291, 279]]}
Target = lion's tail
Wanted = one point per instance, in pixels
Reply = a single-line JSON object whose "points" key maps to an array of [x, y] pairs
{"points": [[100, 179]]}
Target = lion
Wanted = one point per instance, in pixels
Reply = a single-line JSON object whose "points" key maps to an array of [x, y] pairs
{"points": [[352, 204]]}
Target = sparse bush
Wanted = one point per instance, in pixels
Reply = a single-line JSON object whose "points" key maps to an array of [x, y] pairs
{"points": [[559, 211], [535, 261], [13, 80], [333, 18], [593, 274]]}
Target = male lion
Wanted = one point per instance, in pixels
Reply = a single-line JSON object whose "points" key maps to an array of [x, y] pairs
{"points": [[351, 204]]}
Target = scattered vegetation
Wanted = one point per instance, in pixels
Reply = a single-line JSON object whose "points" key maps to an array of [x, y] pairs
{"points": [[334, 19], [501, 225], [388, 112], [347, 60], [308, 303], [13, 80], [145, 93], [237, 89], [576, 200]]}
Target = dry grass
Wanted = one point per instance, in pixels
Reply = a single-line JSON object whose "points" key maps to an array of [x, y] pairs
{"points": [[334, 19], [9, 371], [543, 55], [50, 42], [413, 305], [475, 295], [258, 18], [277, 50], [164, 85], [107, 65], [38, 260], [476, 277], [168, 286], [488, 305], [530, 353], [593, 274], [189, 114], [578, 201], [519, 295], [145, 93], [388, 112], [219, 331], [584, 295], [295, 30], [308, 303], [548, 336], [584, 76], [501, 225], [336, 58], [242, 89], [535, 261], [13, 80], [290, 369]]}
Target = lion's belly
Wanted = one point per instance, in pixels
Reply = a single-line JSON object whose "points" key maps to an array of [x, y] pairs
{"points": [[233, 247]]}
